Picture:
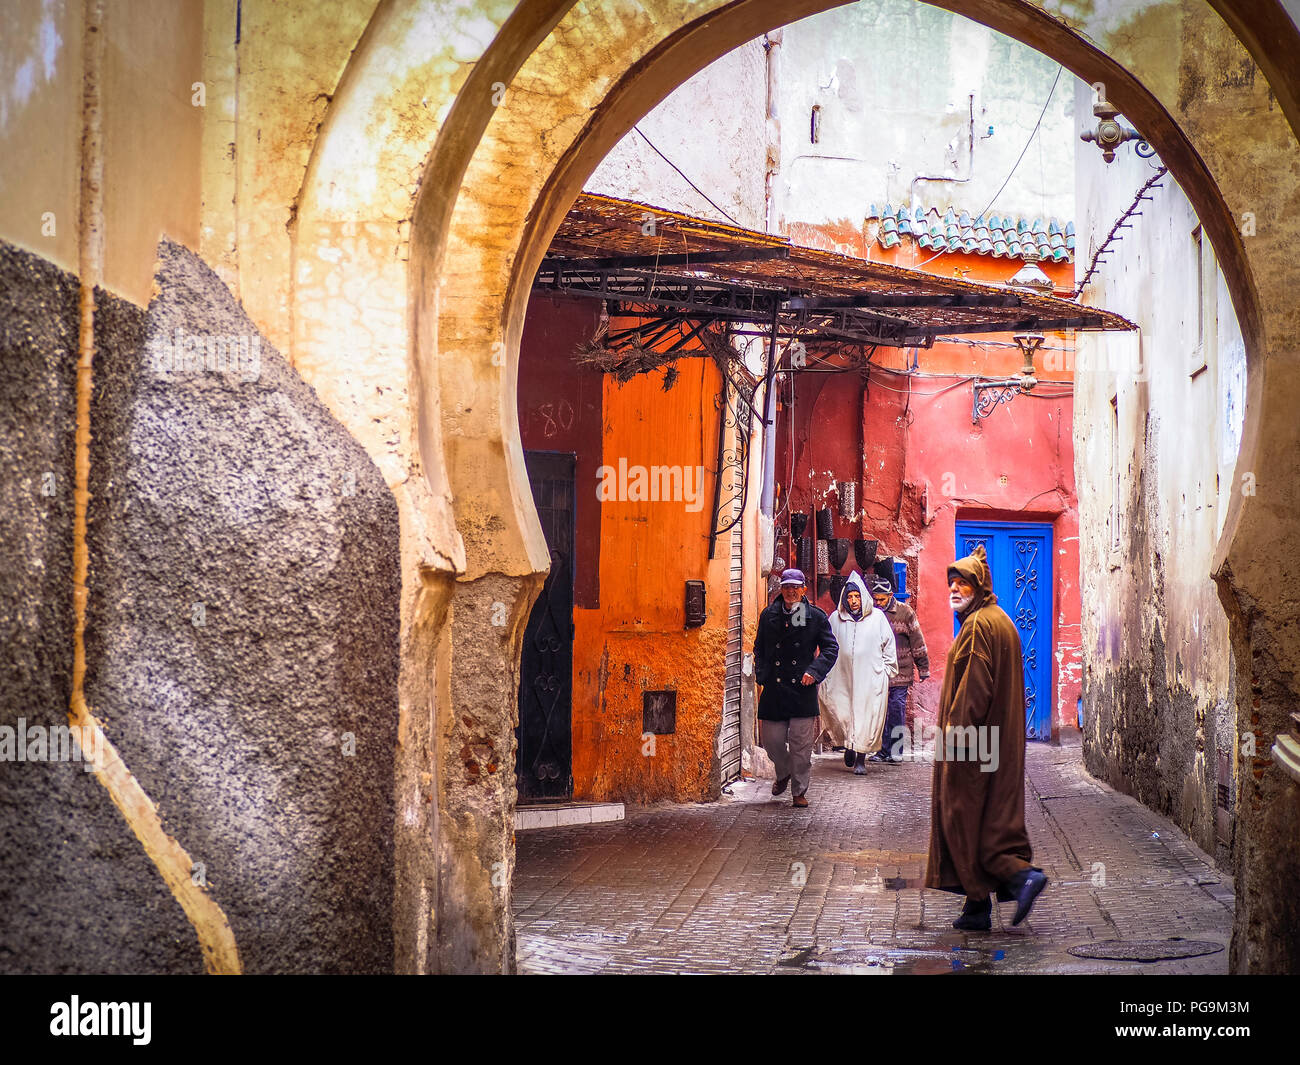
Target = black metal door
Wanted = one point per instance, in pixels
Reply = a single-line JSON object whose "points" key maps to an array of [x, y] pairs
{"points": [[544, 768]]}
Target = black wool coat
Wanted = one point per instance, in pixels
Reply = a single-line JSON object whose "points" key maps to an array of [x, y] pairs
{"points": [[785, 648]]}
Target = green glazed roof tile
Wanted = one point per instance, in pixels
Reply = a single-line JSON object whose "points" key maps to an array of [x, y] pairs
{"points": [[952, 230]]}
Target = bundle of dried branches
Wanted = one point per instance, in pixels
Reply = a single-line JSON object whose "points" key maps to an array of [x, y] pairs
{"points": [[632, 357], [625, 362]]}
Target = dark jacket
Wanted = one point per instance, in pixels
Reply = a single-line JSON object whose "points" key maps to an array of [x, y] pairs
{"points": [[784, 651], [909, 643], [978, 838]]}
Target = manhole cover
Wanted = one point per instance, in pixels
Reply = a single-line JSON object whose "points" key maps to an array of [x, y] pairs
{"points": [[1145, 949]]}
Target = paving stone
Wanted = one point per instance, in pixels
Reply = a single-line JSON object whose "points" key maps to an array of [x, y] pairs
{"points": [[748, 883]]}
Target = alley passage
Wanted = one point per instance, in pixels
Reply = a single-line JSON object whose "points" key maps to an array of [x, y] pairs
{"points": [[751, 885]]}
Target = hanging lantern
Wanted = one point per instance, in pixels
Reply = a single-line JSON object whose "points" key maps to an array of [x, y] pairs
{"points": [[884, 567], [837, 584], [848, 500], [825, 524], [807, 554], [865, 552], [823, 557], [798, 523], [839, 552]]}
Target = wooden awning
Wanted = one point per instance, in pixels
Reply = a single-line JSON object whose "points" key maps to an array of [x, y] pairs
{"points": [[640, 259]]}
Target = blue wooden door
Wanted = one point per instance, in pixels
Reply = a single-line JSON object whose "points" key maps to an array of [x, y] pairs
{"points": [[1020, 556]]}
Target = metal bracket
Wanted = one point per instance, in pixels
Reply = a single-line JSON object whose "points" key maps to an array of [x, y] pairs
{"points": [[986, 395]]}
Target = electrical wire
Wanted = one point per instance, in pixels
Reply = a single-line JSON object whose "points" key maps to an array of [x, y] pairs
{"points": [[939, 392], [1014, 168], [685, 178], [958, 381]]}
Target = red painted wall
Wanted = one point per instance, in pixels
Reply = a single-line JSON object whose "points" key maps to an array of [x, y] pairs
{"points": [[561, 409], [921, 465]]}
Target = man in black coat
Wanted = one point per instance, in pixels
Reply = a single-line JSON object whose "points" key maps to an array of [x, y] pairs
{"points": [[794, 649]]}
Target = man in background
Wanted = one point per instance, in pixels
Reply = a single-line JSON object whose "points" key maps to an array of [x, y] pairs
{"points": [[794, 649], [911, 655], [855, 694]]}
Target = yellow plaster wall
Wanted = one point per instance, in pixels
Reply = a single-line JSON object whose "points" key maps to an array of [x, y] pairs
{"points": [[219, 218], [290, 59], [40, 126], [152, 132]]}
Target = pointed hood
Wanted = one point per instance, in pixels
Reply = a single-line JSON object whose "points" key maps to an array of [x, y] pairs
{"points": [[854, 581], [975, 569]]}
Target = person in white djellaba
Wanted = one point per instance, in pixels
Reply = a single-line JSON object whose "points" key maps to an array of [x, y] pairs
{"points": [[855, 694]]}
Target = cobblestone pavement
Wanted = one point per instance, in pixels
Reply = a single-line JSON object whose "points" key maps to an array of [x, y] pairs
{"points": [[749, 884]]}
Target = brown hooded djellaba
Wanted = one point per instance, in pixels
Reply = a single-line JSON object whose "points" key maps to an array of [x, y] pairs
{"points": [[978, 839]]}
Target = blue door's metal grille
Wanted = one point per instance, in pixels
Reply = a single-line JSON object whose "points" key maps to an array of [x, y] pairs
{"points": [[1026, 617]]}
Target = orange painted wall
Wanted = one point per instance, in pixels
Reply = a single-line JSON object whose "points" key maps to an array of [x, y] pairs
{"points": [[632, 560], [636, 640]]}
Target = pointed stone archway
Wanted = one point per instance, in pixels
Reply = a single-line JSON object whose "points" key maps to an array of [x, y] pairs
{"points": [[484, 165]]}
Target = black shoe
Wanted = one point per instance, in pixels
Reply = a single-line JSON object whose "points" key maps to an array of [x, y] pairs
{"points": [[849, 757], [975, 917], [780, 785], [877, 757], [1025, 888], [890, 759]]}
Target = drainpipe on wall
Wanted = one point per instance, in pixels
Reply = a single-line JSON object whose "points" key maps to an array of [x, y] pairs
{"points": [[766, 537], [772, 45], [772, 170], [216, 940]]}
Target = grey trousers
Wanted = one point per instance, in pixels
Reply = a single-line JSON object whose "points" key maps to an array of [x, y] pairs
{"points": [[789, 744]]}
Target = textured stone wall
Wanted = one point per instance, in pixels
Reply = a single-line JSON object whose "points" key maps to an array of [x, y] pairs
{"points": [[242, 641], [77, 893]]}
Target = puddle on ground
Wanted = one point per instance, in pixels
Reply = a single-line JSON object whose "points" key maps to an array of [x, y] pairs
{"points": [[876, 857], [895, 961], [876, 885]]}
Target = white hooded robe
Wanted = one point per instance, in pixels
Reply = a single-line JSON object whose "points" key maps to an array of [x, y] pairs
{"points": [[855, 694]]}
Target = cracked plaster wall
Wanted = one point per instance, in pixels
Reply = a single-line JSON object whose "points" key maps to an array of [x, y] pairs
{"points": [[1159, 677]]}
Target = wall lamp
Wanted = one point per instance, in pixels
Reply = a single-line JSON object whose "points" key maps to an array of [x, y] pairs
{"points": [[1111, 133], [987, 395]]}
